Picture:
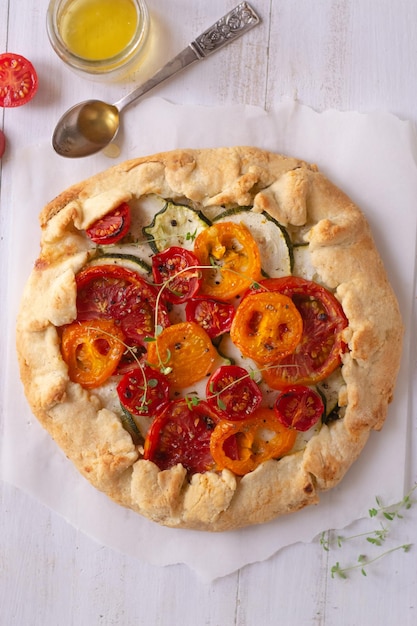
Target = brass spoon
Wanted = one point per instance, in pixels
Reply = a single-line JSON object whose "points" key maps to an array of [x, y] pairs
{"points": [[90, 126]]}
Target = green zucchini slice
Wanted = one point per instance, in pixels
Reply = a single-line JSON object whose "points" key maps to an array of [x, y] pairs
{"points": [[175, 225], [130, 261]]}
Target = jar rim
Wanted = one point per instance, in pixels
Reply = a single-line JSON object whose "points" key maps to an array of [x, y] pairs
{"points": [[97, 66]]}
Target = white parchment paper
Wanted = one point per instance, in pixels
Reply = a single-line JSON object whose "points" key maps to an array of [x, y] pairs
{"points": [[371, 157]]}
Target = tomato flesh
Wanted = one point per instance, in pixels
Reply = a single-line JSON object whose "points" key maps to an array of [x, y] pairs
{"points": [[92, 351], [299, 407], [176, 270], [143, 391], [183, 350], [266, 327], [231, 259], [259, 438], [114, 292], [112, 227], [181, 434], [231, 391], [18, 80], [319, 351], [213, 315]]}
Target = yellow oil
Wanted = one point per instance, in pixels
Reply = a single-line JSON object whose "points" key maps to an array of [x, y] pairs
{"points": [[98, 29]]}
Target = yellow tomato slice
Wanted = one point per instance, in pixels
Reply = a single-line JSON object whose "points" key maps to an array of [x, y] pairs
{"points": [[259, 438], [234, 256], [184, 352], [267, 327], [92, 351]]}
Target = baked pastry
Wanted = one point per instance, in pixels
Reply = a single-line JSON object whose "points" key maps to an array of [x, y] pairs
{"points": [[199, 338]]}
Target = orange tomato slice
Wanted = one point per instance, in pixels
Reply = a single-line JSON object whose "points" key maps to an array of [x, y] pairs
{"points": [[267, 326], [184, 352], [259, 438], [234, 257], [92, 351]]}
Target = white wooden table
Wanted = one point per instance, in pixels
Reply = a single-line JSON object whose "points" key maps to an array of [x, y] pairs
{"points": [[344, 54]]}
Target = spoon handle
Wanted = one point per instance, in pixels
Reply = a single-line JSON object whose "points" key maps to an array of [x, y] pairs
{"points": [[228, 28]]}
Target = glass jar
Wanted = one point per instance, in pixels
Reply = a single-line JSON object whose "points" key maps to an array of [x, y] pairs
{"points": [[101, 38]]}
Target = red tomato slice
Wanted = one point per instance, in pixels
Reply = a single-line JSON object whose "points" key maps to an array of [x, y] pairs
{"points": [[231, 391], [319, 352], [181, 434], [214, 316], [143, 391], [299, 407], [170, 268], [114, 292], [18, 80], [112, 227]]}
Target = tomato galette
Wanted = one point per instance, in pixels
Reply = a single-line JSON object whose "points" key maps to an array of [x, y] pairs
{"points": [[209, 335]]}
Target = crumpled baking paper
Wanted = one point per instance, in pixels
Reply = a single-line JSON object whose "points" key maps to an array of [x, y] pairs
{"points": [[371, 157]]}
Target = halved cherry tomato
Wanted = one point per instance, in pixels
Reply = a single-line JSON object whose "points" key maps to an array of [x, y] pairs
{"points": [[184, 351], [319, 351], [92, 351], [299, 407], [18, 80], [266, 327], [259, 438], [213, 315], [143, 391], [112, 227], [234, 257], [231, 391], [170, 268], [181, 434], [114, 292]]}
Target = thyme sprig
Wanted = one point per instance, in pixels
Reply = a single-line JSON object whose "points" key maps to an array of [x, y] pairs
{"points": [[389, 514]]}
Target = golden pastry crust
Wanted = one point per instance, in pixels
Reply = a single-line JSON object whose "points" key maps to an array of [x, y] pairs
{"points": [[345, 259]]}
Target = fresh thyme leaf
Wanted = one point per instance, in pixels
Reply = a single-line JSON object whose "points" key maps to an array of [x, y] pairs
{"points": [[221, 404], [374, 537]]}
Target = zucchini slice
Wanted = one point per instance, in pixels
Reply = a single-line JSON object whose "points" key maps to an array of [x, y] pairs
{"points": [[302, 262], [130, 261], [273, 240], [175, 225], [329, 391], [130, 425]]}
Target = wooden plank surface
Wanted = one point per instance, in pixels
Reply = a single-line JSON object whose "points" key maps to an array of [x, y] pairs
{"points": [[344, 54]]}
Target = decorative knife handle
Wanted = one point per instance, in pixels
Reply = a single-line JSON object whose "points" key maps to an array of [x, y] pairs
{"points": [[231, 26]]}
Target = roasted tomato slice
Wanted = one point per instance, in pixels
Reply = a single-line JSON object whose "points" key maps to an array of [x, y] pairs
{"points": [[181, 434], [112, 227], [299, 407], [267, 326], [177, 271], [143, 391], [233, 258], [213, 315], [18, 80], [259, 438], [231, 391], [319, 352], [92, 351], [114, 292], [184, 351]]}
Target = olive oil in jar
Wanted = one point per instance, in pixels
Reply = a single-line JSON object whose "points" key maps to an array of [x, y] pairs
{"points": [[98, 29]]}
